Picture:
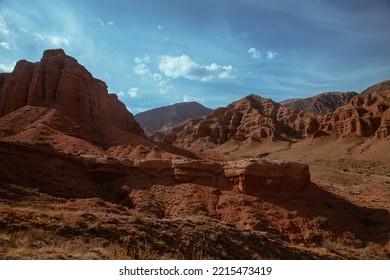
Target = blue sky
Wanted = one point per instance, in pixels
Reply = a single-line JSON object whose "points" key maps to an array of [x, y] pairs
{"points": [[158, 52]]}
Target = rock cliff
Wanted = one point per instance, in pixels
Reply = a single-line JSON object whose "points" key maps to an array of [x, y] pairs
{"points": [[366, 116], [59, 81], [252, 118]]}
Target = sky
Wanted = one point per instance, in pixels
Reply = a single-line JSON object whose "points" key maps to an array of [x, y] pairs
{"points": [[153, 53]]}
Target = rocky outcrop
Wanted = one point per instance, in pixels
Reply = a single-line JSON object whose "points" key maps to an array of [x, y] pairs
{"points": [[252, 176], [91, 176], [252, 118], [322, 103], [258, 119], [59, 81], [246, 176], [384, 128], [363, 116], [161, 120]]}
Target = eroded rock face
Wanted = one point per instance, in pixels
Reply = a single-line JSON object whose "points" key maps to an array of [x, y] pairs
{"points": [[257, 119], [363, 116], [252, 117], [59, 81], [247, 176], [252, 176]]}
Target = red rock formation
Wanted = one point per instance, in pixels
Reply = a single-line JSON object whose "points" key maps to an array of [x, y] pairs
{"points": [[258, 119], [252, 117], [384, 129], [59, 81], [363, 116]]}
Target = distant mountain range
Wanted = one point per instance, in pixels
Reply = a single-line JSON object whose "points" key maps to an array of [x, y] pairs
{"points": [[320, 104], [165, 118]]}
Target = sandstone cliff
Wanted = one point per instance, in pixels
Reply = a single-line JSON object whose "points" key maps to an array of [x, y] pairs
{"points": [[252, 118], [59, 81], [366, 116]]}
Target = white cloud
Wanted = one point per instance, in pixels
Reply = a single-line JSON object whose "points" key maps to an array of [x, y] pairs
{"points": [[7, 68], [58, 41], [100, 21], [183, 66], [121, 94], [5, 45], [256, 54], [157, 77], [165, 86], [145, 59], [271, 55], [133, 92], [188, 98], [142, 69], [4, 26], [39, 36]]}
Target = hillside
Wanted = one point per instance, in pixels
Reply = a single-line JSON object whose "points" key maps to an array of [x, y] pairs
{"points": [[320, 104], [165, 118]]}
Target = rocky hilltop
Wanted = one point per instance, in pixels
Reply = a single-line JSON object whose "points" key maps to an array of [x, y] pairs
{"points": [[365, 115], [378, 87], [254, 118], [250, 118], [322, 103], [59, 81], [165, 118]]}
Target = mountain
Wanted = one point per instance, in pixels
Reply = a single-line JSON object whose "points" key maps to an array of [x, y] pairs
{"points": [[256, 119], [320, 104], [59, 82], [365, 115], [251, 118], [57, 102], [381, 86], [165, 118]]}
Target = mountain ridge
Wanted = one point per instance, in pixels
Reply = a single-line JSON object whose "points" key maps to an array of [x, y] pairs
{"points": [[164, 118]]}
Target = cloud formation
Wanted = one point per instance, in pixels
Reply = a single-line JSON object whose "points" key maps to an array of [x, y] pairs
{"points": [[183, 66], [141, 68], [58, 41], [133, 92], [188, 98], [7, 68], [5, 45], [256, 54], [271, 54], [102, 23]]}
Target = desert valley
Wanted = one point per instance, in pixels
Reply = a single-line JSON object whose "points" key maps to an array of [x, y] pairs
{"points": [[82, 178]]}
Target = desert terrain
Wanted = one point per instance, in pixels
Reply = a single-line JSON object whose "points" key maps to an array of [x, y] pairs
{"points": [[257, 179]]}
